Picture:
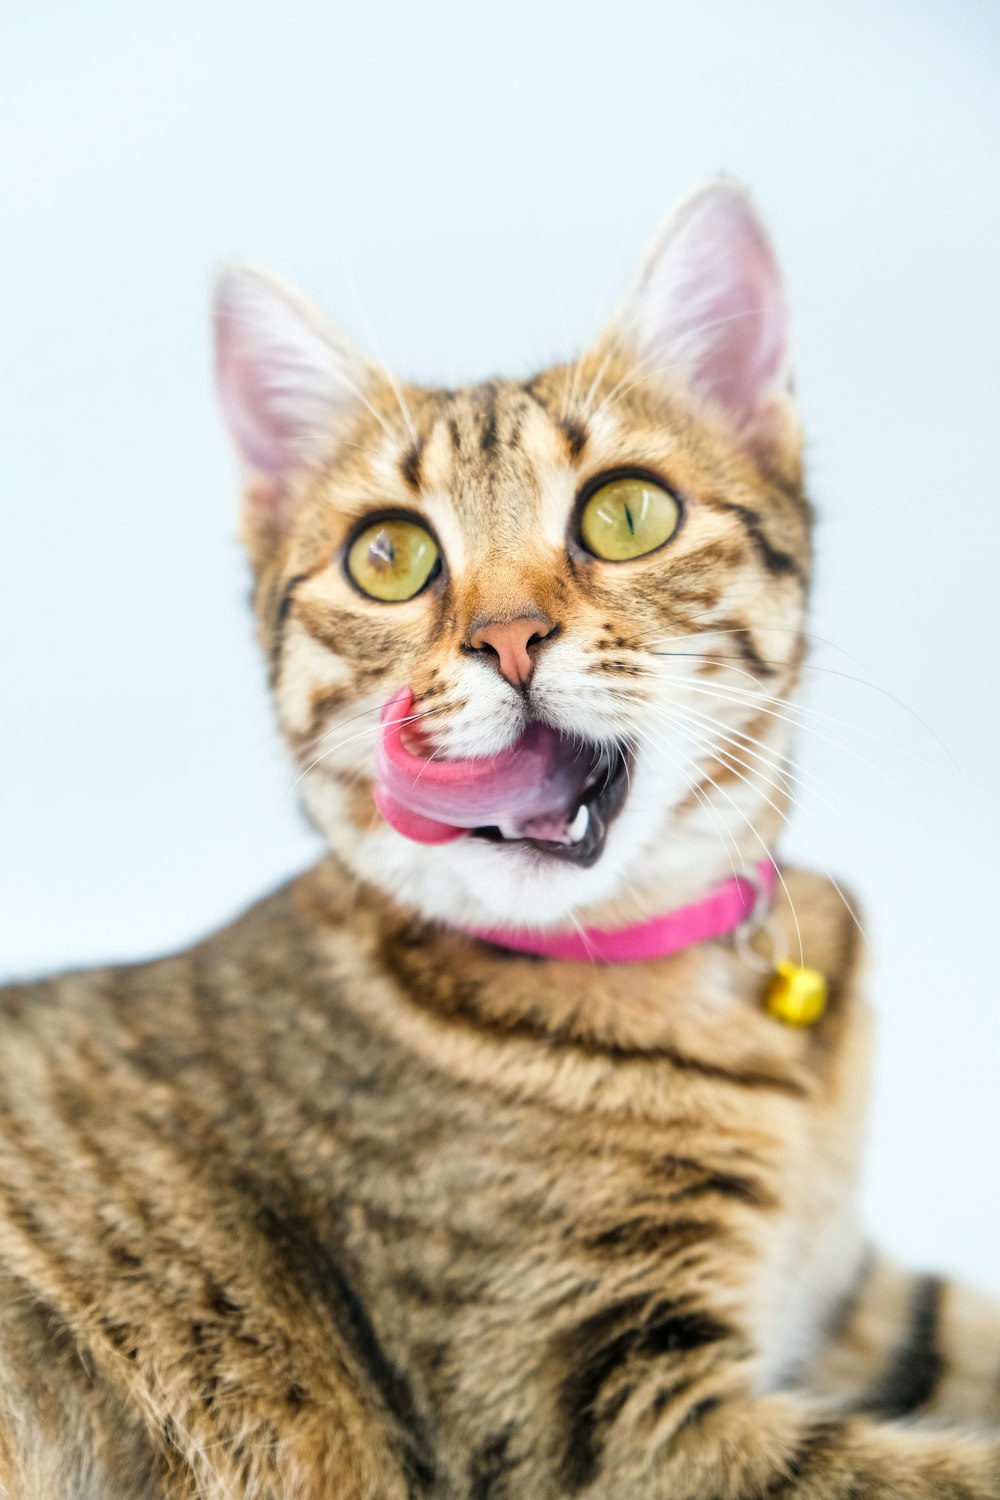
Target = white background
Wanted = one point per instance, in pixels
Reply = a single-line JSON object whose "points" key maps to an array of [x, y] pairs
{"points": [[467, 189]]}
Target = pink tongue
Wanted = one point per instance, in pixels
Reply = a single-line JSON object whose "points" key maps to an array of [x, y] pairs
{"points": [[533, 782]]}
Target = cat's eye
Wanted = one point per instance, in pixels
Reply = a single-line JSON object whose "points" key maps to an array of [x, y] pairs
{"points": [[393, 559], [628, 517]]}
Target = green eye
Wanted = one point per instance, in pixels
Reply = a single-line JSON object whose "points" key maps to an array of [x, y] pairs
{"points": [[393, 559], [628, 518]]}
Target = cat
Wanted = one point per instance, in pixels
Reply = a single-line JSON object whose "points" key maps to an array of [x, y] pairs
{"points": [[368, 1194]]}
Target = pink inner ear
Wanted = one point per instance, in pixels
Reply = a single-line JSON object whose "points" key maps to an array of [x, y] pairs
{"points": [[710, 307], [742, 327], [283, 372], [257, 430]]}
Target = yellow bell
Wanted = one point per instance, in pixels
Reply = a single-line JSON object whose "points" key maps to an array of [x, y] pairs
{"points": [[796, 995]]}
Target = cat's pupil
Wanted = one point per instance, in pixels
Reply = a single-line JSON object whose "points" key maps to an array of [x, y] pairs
{"points": [[628, 517]]}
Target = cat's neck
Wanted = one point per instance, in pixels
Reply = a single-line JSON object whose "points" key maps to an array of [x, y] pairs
{"points": [[727, 906], [434, 987]]}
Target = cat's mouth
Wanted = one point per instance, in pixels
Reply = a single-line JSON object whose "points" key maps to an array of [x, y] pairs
{"points": [[578, 833], [549, 791]]}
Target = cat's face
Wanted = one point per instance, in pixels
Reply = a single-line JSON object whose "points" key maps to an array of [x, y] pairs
{"points": [[617, 549]]}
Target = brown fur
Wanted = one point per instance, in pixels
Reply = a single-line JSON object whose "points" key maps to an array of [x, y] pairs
{"points": [[341, 1203], [336, 1204]]}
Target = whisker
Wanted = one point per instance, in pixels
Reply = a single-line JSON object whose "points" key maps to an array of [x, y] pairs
{"points": [[401, 401], [707, 776], [614, 346], [760, 704], [569, 386], [789, 780], [378, 708], [793, 776], [360, 734], [830, 672], [729, 844], [726, 758], [813, 667], [433, 756], [582, 931], [710, 629], [375, 708]]}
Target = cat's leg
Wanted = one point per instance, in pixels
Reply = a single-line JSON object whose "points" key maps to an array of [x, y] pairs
{"points": [[782, 1448], [68, 1432], [64, 1434], [668, 1409], [908, 1345]]}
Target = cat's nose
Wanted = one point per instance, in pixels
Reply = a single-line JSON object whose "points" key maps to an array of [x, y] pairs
{"points": [[510, 645]]}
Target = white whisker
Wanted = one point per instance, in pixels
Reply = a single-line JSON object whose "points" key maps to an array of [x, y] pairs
{"points": [[726, 758], [760, 703], [342, 723], [729, 844], [829, 672], [768, 853], [351, 738], [790, 778]]}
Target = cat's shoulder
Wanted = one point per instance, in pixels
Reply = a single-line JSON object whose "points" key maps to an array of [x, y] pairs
{"points": [[239, 955]]}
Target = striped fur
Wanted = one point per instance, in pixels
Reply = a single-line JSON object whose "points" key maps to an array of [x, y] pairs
{"points": [[341, 1204]]}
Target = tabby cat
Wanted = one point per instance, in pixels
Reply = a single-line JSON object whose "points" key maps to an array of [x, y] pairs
{"points": [[358, 1198]]}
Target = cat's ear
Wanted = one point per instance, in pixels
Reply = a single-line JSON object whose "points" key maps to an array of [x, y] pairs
{"points": [[707, 313], [288, 382]]}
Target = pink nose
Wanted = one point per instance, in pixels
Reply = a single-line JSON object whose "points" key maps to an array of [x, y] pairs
{"points": [[510, 643]]}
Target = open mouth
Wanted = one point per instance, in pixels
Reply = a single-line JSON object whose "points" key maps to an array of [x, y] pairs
{"points": [[578, 833], [548, 791]]}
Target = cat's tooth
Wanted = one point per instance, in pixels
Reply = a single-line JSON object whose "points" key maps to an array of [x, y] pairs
{"points": [[508, 829], [580, 823]]}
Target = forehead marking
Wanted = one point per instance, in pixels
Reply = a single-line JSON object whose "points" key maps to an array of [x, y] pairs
{"points": [[494, 468], [409, 464]]}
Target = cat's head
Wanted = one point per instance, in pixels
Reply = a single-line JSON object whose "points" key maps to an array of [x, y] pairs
{"points": [[604, 567]]}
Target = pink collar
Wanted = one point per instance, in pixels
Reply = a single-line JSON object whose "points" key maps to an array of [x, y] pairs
{"points": [[724, 909]]}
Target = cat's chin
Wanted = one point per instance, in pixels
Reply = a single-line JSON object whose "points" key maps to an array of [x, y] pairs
{"points": [[647, 862]]}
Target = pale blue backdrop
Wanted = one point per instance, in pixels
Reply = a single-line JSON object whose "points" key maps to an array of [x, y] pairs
{"points": [[467, 189]]}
